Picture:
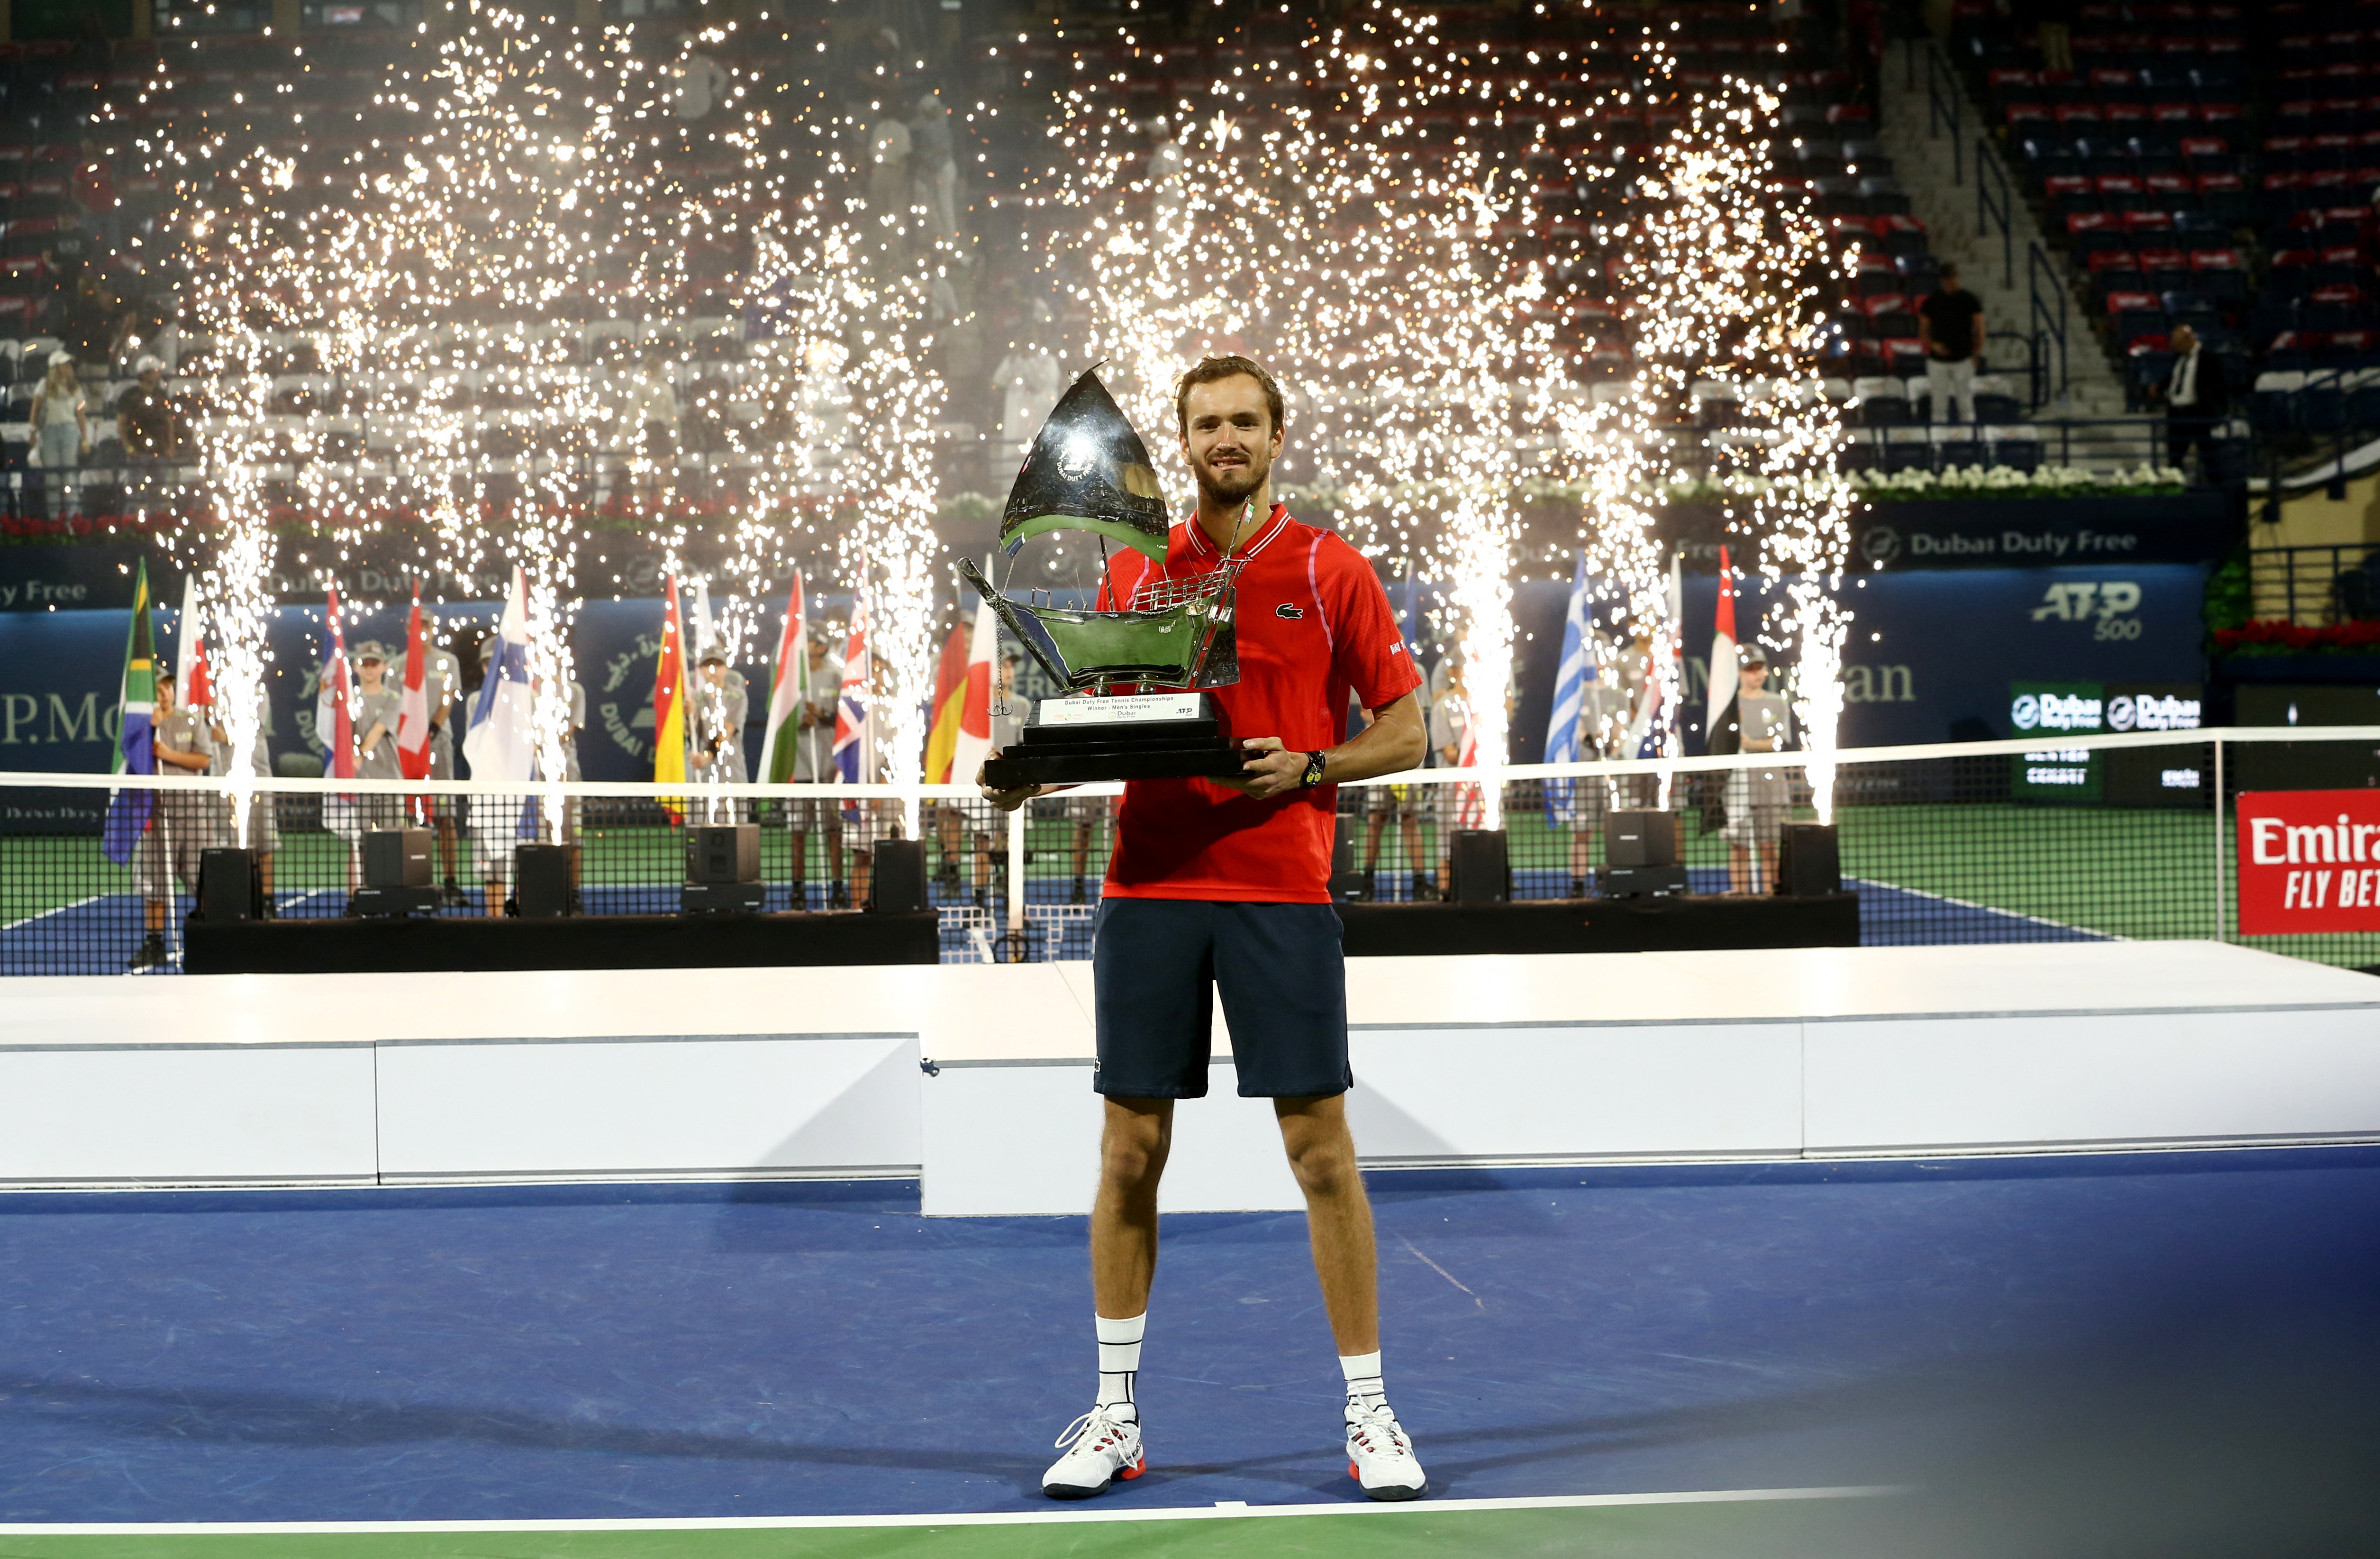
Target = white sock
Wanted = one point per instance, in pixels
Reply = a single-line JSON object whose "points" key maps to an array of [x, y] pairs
{"points": [[1365, 1386], [1120, 1361]]}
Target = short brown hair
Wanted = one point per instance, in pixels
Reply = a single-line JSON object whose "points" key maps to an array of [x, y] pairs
{"points": [[1206, 371]]}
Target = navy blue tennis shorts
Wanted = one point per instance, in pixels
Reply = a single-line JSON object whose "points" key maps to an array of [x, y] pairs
{"points": [[1158, 965]]}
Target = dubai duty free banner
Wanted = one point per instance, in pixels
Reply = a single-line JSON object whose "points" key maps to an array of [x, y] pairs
{"points": [[2309, 861]]}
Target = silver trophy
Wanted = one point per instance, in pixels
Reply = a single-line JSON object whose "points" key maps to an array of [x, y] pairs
{"points": [[1136, 706]]}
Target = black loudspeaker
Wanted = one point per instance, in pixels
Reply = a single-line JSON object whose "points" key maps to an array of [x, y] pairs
{"points": [[1345, 882], [396, 857], [1807, 864], [1640, 838], [1642, 881], [898, 884], [1480, 869], [230, 886], [718, 853], [541, 878]]}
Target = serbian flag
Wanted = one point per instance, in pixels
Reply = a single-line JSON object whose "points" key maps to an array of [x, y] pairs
{"points": [[191, 680], [853, 756], [950, 703], [335, 704], [789, 689], [413, 706], [136, 748], [668, 697], [1719, 710], [975, 716]]}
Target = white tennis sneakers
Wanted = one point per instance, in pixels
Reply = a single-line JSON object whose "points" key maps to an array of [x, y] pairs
{"points": [[1379, 1457], [1100, 1449]]}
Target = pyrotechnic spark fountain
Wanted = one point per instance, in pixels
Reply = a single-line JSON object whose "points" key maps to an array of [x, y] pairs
{"points": [[1366, 250], [1718, 277], [540, 178]]}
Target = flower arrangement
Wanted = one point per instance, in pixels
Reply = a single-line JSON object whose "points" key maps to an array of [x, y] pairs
{"points": [[2045, 481], [2278, 636]]}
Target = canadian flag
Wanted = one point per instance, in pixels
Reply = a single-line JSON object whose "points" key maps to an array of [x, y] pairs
{"points": [[975, 716], [191, 679]]}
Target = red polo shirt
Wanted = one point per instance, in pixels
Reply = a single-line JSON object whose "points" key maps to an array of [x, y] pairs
{"points": [[1313, 625]]}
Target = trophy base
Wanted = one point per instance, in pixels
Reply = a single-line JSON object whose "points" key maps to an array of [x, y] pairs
{"points": [[1084, 740]]}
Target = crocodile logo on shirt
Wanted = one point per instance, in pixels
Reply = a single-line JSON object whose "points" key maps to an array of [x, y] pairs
{"points": [[1285, 610]]}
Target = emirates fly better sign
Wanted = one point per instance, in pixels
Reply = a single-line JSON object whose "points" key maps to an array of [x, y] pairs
{"points": [[2309, 861]]}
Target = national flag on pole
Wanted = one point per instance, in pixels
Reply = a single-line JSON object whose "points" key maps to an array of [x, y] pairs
{"points": [[1719, 709], [1471, 804], [192, 684], [853, 747], [670, 696], [135, 748], [413, 705], [950, 700], [1574, 673], [974, 715], [789, 689], [334, 702], [502, 743], [701, 627]]}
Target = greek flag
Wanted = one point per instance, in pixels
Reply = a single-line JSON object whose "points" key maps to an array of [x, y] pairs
{"points": [[502, 740], [1577, 670]]}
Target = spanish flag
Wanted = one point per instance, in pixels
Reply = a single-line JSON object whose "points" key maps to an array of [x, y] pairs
{"points": [[669, 701]]}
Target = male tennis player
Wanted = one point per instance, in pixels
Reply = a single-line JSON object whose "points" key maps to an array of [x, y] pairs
{"points": [[1223, 887]]}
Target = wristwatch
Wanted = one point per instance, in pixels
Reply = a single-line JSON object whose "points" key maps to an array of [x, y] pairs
{"points": [[1312, 775]]}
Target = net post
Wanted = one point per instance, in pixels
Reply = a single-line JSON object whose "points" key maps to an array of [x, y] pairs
{"points": [[1017, 880], [2219, 837]]}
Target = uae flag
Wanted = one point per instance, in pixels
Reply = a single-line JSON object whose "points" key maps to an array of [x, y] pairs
{"points": [[1719, 719], [788, 692]]}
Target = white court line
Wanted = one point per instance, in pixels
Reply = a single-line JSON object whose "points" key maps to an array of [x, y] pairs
{"points": [[980, 1519], [1991, 909], [59, 909]]}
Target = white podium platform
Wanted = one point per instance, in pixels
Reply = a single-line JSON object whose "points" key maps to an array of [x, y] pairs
{"points": [[977, 1081]]}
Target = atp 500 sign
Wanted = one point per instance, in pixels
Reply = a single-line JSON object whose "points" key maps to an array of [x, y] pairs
{"points": [[2309, 861]]}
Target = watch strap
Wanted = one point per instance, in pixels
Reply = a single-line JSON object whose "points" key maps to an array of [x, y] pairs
{"points": [[1314, 765]]}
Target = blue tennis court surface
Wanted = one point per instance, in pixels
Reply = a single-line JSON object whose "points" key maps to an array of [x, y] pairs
{"points": [[708, 1352]]}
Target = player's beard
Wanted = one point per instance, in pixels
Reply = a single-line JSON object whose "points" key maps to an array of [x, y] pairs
{"points": [[1234, 485]]}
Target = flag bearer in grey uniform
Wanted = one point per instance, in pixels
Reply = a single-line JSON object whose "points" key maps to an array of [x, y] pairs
{"points": [[442, 686], [813, 764], [715, 735], [263, 824], [376, 715], [181, 822], [1759, 801]]}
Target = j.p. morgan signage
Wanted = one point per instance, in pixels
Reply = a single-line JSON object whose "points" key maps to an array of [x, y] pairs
{"points": [[2309, 861]]}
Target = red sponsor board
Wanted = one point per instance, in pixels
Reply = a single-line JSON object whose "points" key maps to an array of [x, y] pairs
{"points": [[2309, 861]]}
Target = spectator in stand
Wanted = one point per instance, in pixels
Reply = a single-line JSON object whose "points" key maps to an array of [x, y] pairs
{"points": [[61, 417], [90, 318], [144, 417], [2195, 402], [1950, 329]]}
